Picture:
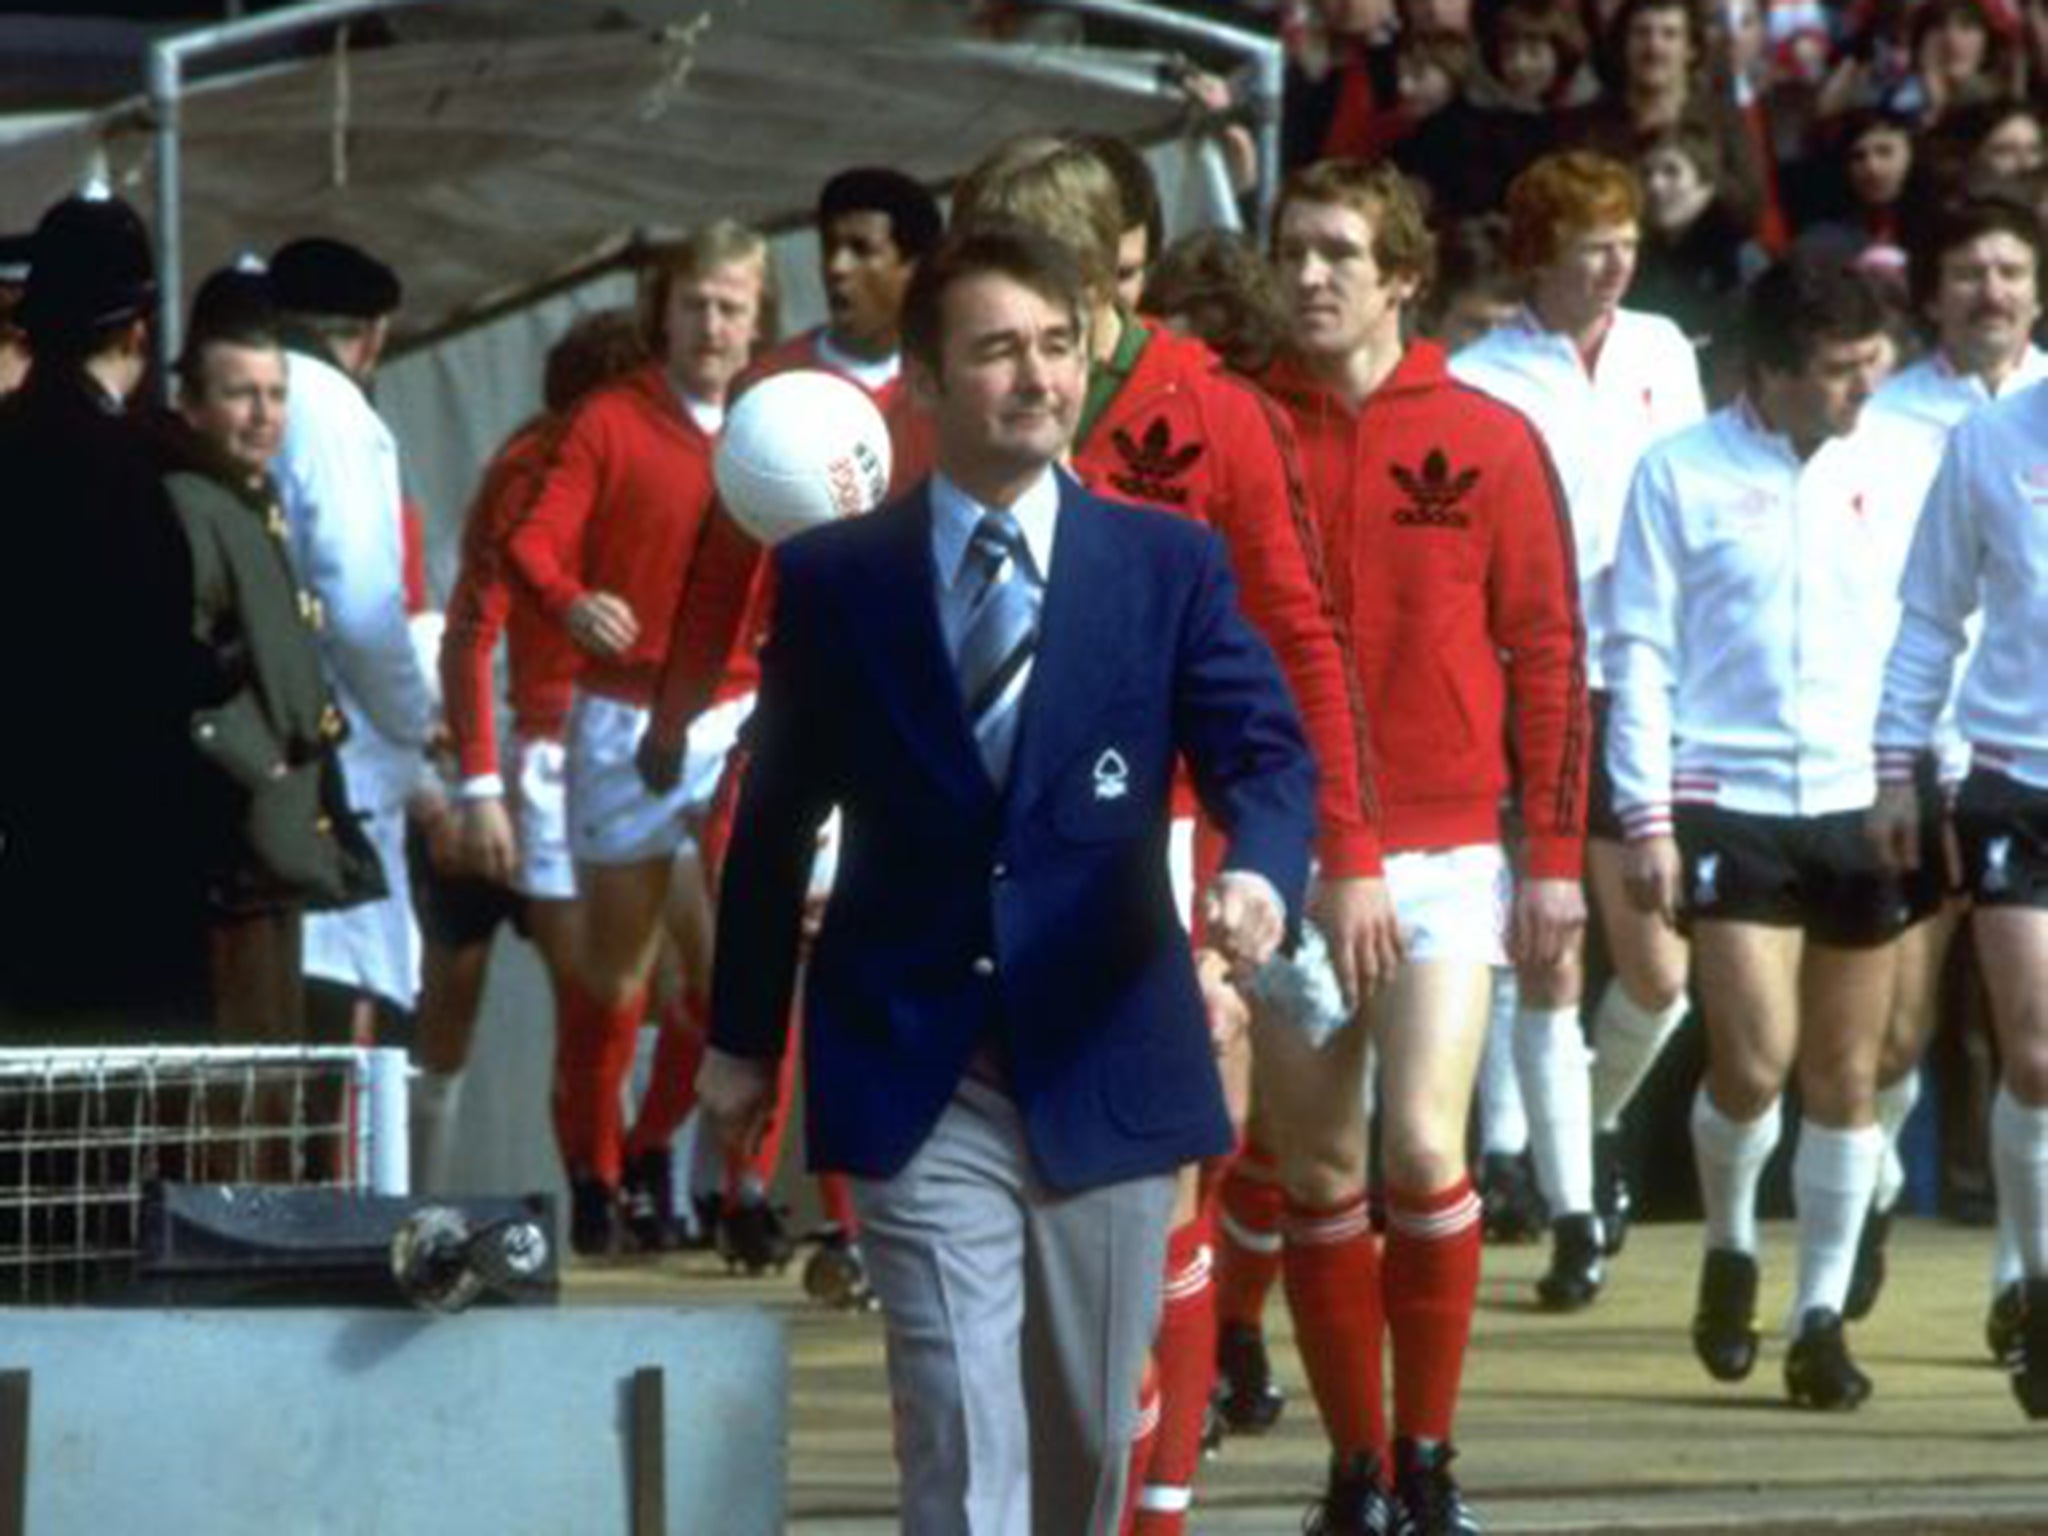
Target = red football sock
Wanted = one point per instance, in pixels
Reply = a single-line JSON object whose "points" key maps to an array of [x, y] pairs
{"points": [[672, 1081], [1331, 1267], [1248, 1238], [1143, 1438], [594, 1048], [1185, 1354], [1432, 1283], [835, 1199], [756, 1176]]}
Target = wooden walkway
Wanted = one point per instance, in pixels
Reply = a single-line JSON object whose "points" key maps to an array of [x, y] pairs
{"points": [[1597, 1422]]}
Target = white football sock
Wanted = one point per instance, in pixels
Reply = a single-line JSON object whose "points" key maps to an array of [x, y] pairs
{"points": [[1503, 1122], [1731, 1155], [2019, 1160], [434, 1100], [1550, 1060], [1894, 1108], [1627, 1041], [1833, 1175]]}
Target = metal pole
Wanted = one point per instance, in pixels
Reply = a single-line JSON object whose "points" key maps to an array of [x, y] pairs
{"points": [[1266, 58], [167, 74], [165, 80]]}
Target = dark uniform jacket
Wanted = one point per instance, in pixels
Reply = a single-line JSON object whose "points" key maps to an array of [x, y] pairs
{"points": [[283, 835], [101, 901]]}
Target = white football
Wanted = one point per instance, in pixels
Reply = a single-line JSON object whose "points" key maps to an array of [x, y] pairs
{"points": [[800, 449]]}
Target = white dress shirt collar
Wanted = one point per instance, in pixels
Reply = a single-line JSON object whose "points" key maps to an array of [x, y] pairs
{"points": [[955, 514]]}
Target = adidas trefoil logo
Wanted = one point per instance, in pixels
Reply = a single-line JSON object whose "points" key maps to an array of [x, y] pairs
{"points": [[1153, 466], [1434, 493]]}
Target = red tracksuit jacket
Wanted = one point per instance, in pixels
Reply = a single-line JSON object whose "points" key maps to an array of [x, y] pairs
{"points": [[542, 661], [626, 507], [1450, 555]]}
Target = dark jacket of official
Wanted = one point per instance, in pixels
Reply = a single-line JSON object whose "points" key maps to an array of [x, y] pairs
{"points": [[284, 835], [101, 883], [1032, 927]]}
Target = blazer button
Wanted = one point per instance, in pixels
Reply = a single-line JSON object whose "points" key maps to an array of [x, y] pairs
{"points": [[1000, 872], [983, 966]]}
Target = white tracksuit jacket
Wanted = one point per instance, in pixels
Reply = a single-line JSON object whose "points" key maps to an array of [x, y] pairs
{"points": [[1644, 385], [1982, 544], [1754, 597]]}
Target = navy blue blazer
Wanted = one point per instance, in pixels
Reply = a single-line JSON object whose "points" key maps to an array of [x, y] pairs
{"points": [[1038, 921]]}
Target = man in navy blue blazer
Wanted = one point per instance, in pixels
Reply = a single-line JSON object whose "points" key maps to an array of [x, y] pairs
{"points": [[994, 679]]}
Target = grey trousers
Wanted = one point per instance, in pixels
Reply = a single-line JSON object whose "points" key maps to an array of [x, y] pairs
{"points": [[1018, 1321]]}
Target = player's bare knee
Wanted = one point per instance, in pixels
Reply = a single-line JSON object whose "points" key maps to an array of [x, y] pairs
{"points": [[1551, 986], [1743, 1088], [1417, 1160], [1324, 1172], [2026, 1065], [1838, 1097]]}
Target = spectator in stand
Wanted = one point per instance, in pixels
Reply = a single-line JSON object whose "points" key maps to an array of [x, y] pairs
{"points": [[511, 819], [102, 900], [1955, 52], [1431, 71], [1696, 256], [1853, 207], [1532, 64], [288, 839], [1656, 64], [619, 545], [1981, 142], [1340, 78], [338, 477]]}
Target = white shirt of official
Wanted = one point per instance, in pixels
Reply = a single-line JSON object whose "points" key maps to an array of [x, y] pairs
{"points": [[1643, 386], [1982, 544], [1753, 597], [338, 478]]}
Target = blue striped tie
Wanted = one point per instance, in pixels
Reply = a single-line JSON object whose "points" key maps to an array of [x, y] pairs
{"points": [[1000, 636]]}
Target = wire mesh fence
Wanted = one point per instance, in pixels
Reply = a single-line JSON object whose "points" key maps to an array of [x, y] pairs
{"points": [[85, 1132]]}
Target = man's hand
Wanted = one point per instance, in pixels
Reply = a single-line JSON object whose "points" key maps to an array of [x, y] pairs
{"points": [[1229, 1014], [737, 1095], [1651, 872], [1357, 920], [487, 846], [660, 764], [603, 624], [1549, 917], [1893, 826], [1244, 918]]}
